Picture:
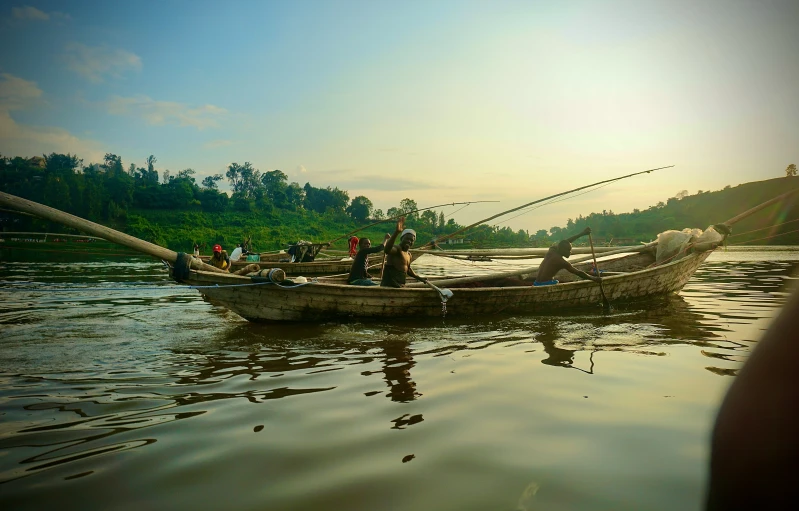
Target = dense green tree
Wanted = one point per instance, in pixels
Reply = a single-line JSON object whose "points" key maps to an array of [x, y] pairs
{"points": [[791, 170], [429, 219], [275, 185], [360, 208], [322, 200], [112, 164], [408, 205], [209, 182], [245, 180], [295, 196]]}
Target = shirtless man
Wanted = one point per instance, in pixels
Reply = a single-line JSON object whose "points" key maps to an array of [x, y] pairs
{"points": [[555, 260], [398, 259]]}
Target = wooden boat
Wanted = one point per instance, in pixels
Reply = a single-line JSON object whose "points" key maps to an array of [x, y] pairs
{"points": [[635, 276], [320, 300]]}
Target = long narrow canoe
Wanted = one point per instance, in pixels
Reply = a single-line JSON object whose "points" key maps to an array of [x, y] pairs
{"points": [[320, 301]]}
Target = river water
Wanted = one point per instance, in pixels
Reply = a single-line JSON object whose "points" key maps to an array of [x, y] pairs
{"points": [[121, 391]]}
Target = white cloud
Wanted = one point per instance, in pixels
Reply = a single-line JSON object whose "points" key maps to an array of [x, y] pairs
{"points": [[16, 93], [216, 144], [165, 112], [301, 169], [28, 13], [96, 63], [22, 140]]}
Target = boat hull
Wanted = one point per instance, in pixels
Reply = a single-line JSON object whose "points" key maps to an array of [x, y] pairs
{"points": [[316, 301]]}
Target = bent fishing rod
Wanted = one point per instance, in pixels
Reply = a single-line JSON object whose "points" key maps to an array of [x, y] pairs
{"points": [[406, 213], [432, 243]]}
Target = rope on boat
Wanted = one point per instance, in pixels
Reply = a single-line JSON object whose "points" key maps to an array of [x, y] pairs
{"points": [[764, 228], [766, 238]]}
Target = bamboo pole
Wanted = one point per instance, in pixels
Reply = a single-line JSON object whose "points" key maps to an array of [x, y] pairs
{"points": [[542, 200], [529, 269], [120, 238], [757, 208], [405, 213], [514, 253]]}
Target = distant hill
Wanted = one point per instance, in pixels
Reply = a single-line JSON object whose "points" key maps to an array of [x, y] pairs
{"points": [[776, 225]]}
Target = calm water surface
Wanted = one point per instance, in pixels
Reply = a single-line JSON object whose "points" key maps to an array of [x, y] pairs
{"points": [[133, 393]]}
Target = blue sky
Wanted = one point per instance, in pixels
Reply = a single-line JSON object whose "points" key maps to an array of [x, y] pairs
{"points": [[436, 101]]}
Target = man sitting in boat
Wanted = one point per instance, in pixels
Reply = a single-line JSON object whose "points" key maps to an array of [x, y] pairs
{"points": [[398, 259], [359, 274], [555, 260], [220, 259], [236, 255]]}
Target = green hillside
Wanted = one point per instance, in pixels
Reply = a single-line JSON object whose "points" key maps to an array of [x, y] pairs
{"points": [[701, 210]]}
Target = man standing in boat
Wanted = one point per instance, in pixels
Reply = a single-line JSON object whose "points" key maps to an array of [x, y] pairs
{"points": [[359, 273], [398, 259], [555, 260]]}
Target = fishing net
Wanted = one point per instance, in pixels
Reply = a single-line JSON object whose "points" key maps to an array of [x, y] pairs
{"points": [[673, 245]]}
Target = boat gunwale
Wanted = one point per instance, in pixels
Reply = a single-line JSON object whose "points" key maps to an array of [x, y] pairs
{"points": [[374, 289]]}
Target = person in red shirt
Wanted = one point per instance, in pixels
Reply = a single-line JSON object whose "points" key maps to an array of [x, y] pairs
{"points": [[353, 246]]}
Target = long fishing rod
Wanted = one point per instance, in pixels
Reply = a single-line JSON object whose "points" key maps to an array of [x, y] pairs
{"points": [[406, 213], [537, 201]]}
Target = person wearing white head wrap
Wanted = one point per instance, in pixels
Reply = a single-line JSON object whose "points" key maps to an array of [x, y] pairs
{"points": [[398, 258]]}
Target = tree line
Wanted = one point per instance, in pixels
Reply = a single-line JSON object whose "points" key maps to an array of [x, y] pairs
{"points": [[108, 192], [159, 206]]}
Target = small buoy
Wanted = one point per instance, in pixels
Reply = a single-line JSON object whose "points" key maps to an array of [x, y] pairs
{"points": [[300, 280]]}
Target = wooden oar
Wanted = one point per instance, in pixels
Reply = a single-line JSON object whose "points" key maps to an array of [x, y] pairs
{"points": [[605, 301], [120, 238], [444, 294]]}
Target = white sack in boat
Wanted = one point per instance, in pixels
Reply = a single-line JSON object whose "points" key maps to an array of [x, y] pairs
{"points": [[672, 244], [710, 236]]}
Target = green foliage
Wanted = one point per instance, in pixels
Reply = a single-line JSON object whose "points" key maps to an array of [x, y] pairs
{"points": [[700, 210], [360, 209], [177, 213]]}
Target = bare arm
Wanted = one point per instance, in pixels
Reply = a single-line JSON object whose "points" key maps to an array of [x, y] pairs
{"points": [[414, 275], [583, 275], [584, 232], [389, 245]]}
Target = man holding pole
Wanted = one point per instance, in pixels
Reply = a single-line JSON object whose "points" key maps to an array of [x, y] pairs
{"points": [[555, 260]]}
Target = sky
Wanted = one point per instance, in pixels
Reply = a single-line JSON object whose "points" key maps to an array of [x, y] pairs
{"points": [[444, 101]]}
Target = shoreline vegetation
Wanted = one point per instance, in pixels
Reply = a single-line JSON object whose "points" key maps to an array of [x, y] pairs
{"points": [[174, 211]]}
